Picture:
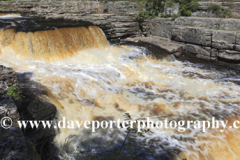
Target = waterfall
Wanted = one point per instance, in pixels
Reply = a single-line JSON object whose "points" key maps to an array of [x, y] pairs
{"points": [[87, 79], [53, 44]]}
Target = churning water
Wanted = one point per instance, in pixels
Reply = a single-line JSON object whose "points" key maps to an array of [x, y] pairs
{"points": [[88, 79]]}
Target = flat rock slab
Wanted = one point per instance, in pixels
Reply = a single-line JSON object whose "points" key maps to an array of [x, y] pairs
{"points": [[163, 43]]}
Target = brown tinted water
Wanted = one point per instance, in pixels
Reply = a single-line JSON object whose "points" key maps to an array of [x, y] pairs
{"points": [[88, 79]]}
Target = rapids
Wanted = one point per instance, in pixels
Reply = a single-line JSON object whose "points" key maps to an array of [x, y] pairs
{"points": [[88, 79], [9, 15]]}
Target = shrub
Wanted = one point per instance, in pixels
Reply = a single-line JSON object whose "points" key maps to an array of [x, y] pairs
{"points": [[176, 15], [153, 8], [142, 15], [156, 7], [216, 9], [188, 6], [220, 12], [15, 93], [169, 3], [227, 13]]}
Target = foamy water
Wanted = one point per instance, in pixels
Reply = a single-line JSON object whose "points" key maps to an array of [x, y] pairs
{"points": [[103, 84], [9, 15]]}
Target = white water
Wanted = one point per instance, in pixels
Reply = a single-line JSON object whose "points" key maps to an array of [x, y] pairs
{"points": [[7, 16], [103, 84]]}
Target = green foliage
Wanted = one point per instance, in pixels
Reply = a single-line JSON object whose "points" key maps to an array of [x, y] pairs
{"points": [[169, 3], [188, 6], [176, 15], [15, 93], [154, 8], [227, 13], [142, 15], [168, 16], [220, 12], [216, 9]]}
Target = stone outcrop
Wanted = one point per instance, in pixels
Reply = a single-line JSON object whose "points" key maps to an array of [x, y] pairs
{"points": [[13, 145], [72, 7], [102, 15], [225, 8], [211, 37], [113, 26], [172, 10], [12, 141], [163, 43], [16, 142], [120, 8], [199, 36], [34, 108], [8, 108], [224, 40], [199, 52], [8, 78], [120, 26], [206, 38], [211, 23], [166, 26]]}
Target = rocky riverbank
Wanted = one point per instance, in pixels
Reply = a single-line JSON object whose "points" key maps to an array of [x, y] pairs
{"points": [[24, 143], [117, 20], [209, 38]]}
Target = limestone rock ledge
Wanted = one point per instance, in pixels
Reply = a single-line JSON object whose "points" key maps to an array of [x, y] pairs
{"points": [[207, 38], [13, 144], [117, 20], [16, 143], [163, 43]]}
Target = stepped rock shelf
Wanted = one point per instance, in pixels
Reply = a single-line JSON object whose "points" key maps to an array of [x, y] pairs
{"points": [[207, 38]]}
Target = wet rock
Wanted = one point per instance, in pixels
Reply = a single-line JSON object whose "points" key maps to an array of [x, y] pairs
{"points": [[163, 43], [8, 78], [85, 11], [229, 55], [197, 50], [8, 107], [13, 144], [35, 108], [202, 36], [205, 9]]}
